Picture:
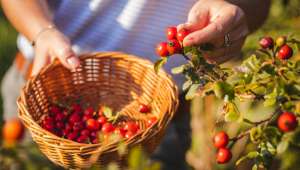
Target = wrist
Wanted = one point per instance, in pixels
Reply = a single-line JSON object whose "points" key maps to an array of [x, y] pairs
{"points": [[42, 31]]}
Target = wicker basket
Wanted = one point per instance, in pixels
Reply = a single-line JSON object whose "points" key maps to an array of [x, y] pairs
{"points": [[118, 80]]}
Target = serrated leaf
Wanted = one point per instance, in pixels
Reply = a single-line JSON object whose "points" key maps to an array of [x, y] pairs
{"points": [[192, 91], [270, 99], [250, 155], [231, 112], [178, 70], [160, 63], [255, 134], [186, 85], [252, 63], [282, 146], [222, 88]]}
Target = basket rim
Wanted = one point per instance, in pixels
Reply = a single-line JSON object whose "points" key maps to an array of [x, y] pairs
{"points": [[114, 54]]}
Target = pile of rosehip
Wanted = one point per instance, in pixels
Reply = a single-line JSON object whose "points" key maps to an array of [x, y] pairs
{"points": [[174, 44], [86, 125], [283, 52], [286, 122]]}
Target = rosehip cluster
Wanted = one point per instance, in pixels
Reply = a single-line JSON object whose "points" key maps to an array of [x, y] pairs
{"points": [[86, 125], [287, 122], [283, 50], [174, 44], [221, 141]]}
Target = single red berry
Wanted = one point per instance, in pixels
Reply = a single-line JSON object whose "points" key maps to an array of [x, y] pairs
{"points": [[94, 141], [171, 33], [76, 108], [60, 125], [182, 34], [60, 117], [66, 132], [266, 43], [129, 134], [93, 134], [55, 110], [144, 108], [174, 47], [223, 155], [92, 124], [120, 131], [87, 117], [85, 132], [102, 120], [285, 52], [82, 139], [162, 50], [89, 111], [75, 117], [68, 127], [77, 126], [108, 128], [50, 127], [221, 139], [72, 135], [131, 126], [151, 121], [287, 122]]}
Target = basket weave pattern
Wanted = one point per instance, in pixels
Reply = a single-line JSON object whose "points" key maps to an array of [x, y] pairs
{"points": [[117, 80]]}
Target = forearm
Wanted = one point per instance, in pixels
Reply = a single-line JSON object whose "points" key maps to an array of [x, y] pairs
{"points": [[256, 11], [29, 17]]}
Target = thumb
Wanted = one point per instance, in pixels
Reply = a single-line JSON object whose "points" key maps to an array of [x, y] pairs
{"points": [[67, 57]]}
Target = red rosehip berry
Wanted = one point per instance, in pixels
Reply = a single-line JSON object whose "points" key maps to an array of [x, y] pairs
{"points": [[93, 134], [102, 120], [266, 43], [48, 120], [151, 121], [221, 139], [50, 127], [174, 47], [144, 108], [89, 111], [76, 108], [162, 49], [120, 131], [107, 128], [60, 117], [181, 34], [72, 136], [287, 122], [60, 125], [171, 33], [285, 52], [75, 117], [55, 110], [77, 126], [87, 117], [85, 132], [82, 139], [66, 132], [92, 124], [94, 141], [129, 134], [131, 126], [223, 155], [68, 127]]}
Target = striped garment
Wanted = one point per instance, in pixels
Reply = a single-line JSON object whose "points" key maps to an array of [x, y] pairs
{"points": [[131, 26]]}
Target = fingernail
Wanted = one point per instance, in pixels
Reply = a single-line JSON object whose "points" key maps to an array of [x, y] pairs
{"points": [[73, 61]]}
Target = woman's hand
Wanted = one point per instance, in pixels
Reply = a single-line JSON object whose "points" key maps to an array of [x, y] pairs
{"points": [[209, 21], [53, 44]]}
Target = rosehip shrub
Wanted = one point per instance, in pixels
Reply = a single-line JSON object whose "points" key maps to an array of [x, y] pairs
{"points": [[270, 77]]}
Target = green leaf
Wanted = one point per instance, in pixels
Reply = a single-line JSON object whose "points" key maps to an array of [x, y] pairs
{"points": [[255, 134], [231, 112], [250, 155], [192, 91], [282, 146], [254, 167], [222, 88], [272, 134], [107, 112], [252, 63], [160, 63], [270, 99], [186, 85], [178, 70]]}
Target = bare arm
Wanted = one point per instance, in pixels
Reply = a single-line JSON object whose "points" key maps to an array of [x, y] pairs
{"points": [[256, 11], [28, 16], [32, 18]]}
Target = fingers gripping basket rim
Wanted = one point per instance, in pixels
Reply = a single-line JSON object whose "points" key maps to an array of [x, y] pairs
{"points": [[70, 154]]}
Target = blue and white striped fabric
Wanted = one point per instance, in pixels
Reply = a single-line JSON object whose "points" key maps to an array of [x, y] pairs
{"points": [[131, 26]]}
